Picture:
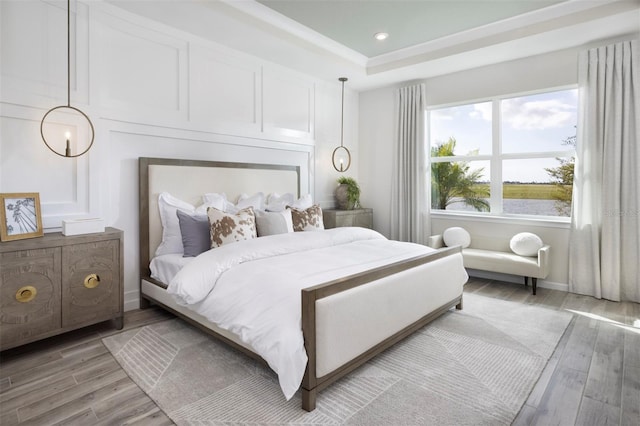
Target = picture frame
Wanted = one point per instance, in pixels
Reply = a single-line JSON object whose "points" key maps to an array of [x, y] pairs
{"points": [[20, 216]]}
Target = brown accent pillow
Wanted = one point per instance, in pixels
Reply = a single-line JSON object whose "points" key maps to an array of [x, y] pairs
{"points": [[307, 220], [225, 228]]}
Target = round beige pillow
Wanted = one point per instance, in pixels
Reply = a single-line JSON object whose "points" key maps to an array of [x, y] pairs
{"points": [[456, 236], [526, 244]]}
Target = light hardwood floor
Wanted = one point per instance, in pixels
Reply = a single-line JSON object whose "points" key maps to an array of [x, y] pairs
{"points": [[593, 377]]}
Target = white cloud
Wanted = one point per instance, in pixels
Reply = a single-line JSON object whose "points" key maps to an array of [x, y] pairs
{"points": [[543, 114], [482, 111], [442, 114]]}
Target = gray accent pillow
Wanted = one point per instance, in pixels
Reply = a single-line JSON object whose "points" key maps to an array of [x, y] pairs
{"points": [[195, 233], [273, 223]]}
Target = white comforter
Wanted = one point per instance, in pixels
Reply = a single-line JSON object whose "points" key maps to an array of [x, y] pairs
{"points": [[252, 288]]}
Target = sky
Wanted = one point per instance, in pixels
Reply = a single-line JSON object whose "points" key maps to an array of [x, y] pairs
{"points": [[534, 123]]}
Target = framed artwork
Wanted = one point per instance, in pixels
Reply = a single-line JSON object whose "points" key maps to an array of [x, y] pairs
{"points": [[20, 216]]}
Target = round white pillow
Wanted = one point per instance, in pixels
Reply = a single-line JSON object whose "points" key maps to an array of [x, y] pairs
{"points": [[456, 236], [525, 244]]}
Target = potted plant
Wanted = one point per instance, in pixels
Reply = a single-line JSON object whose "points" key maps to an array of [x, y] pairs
{"points": [[347, 193]]}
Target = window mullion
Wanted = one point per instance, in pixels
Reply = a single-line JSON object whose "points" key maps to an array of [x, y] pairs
{"points": [[496, 161]]}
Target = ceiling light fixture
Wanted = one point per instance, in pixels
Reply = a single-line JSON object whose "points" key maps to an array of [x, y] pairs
{"points": [[341, 157], [55, 135], [381, 36]]}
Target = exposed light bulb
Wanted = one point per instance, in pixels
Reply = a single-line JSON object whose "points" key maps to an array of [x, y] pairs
{"points": [[67, 150]]}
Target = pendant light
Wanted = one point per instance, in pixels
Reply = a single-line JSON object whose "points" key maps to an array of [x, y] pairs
{"points": [[56, 138], [341, 157]]}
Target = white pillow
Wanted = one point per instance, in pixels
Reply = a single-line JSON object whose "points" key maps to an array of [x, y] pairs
{"points": [[526, 244], [216, 197], [303, 202], [256, 201], [456, 236], [171, 236], [273, 223], [278, 203]]}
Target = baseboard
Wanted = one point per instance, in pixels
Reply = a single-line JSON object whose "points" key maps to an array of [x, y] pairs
{"points": [[516, 279], [131, 300]]}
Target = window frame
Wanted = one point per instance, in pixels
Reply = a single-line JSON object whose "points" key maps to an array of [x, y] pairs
{"points": [[495, 159]]}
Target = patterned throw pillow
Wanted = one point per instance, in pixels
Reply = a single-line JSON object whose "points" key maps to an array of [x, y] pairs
{"points": [[225, 228], [307, 220]]}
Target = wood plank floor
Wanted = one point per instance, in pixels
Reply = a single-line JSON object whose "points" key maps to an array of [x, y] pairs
{"points": [[593, 377]]}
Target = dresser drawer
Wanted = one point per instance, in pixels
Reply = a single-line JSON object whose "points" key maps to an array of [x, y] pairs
{"points": [[30, 289], [92, 290]]}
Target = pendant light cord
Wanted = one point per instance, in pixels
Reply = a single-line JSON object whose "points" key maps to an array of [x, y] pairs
{"points": [[342, 117], [342, 79], [341, 152], [67, 153], [68, 53]]}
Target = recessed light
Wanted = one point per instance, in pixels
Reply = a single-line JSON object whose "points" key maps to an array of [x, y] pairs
{"points": [[381, 36]]}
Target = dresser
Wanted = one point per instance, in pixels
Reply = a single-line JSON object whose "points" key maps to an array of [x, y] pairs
{"points": [[53, 284], [355, 217]]}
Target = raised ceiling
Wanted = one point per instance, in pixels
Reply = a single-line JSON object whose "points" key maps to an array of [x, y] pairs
{"points": [[354, 22], [334, 38]]}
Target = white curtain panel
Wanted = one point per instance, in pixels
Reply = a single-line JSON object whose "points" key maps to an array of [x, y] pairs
{"points": [[409, 216], [604, 258]]}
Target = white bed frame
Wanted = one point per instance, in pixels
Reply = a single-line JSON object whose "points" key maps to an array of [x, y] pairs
{"points": [[345, 322]]}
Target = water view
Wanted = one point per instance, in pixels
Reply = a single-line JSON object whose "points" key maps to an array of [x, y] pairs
{"points": [[517, 206]]}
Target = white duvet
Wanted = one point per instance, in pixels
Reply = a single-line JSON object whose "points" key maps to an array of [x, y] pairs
{"points": [[252, 288]]}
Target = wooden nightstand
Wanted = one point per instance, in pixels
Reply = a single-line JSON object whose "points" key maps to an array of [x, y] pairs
{"points": [[53, 284], [355, 217]]}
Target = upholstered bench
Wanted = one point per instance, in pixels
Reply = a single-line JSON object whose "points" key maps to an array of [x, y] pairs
{"points": [[496, 255]]}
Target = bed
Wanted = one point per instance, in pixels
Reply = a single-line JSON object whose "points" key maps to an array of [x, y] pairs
{"points": [[344, 316]]}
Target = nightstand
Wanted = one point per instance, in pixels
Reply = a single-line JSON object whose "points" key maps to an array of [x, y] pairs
{"points": [[355, 217], [53, 284]]}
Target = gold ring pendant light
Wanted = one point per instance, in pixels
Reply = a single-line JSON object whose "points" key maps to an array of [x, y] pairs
{"points": [[68, 107], [341, 157]]}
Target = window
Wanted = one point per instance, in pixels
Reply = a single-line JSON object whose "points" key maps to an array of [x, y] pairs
{"points": [[510, 155]]}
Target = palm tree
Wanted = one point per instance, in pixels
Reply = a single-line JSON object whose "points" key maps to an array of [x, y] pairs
{"points": [[451, 181]]}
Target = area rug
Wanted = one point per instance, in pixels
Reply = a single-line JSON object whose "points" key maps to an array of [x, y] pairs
{"points": [[475, 366]]}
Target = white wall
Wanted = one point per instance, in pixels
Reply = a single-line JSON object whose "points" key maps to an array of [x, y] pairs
{"points": [[150, 90], [377, 132]]}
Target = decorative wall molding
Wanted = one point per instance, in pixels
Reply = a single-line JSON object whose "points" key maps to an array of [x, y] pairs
{"points": [[141, 73], [288, 104], [34, 65], [216, 90], [225, 92]]}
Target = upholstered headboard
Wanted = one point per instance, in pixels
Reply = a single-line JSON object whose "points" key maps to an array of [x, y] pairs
{"points": [[188, 180]]}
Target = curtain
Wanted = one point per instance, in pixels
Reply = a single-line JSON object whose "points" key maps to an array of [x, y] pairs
{"points": [[408, 195], [604, 258]]}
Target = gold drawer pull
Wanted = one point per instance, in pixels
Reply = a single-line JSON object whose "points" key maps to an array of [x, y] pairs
{"points": [[91, 281], [26, 294]]}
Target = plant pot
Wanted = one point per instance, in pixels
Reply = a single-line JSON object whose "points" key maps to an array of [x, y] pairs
{"points": [[342, 197]]}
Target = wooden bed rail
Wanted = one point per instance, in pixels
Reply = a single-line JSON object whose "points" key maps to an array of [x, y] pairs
{"points": [[311, 384]]}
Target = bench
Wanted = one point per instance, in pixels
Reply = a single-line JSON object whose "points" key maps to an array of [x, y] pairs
{"points": [[494, 255]]}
